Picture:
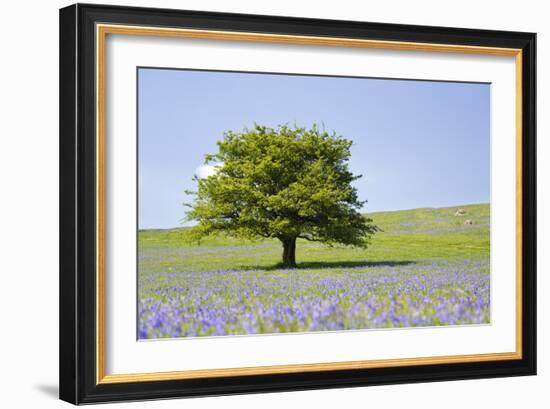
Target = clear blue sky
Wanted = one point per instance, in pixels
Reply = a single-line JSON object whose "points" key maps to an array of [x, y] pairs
{"points": [[416, 143]]}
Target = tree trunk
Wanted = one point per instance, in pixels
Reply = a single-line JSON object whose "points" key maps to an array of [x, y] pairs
{"points": [[289, 251]]}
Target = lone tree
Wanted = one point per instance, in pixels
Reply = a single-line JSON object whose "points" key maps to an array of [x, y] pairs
{"points": [[285, 183]]}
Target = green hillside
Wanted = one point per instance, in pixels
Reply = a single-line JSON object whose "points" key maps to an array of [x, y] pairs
{"points": [[408, 236]]}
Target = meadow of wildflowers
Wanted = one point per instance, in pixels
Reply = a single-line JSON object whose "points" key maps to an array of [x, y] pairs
{"points": [[255, 302], [431, 271]]}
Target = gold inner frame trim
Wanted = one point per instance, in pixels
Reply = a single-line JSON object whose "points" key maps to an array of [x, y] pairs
{"points": [[101, 33]]}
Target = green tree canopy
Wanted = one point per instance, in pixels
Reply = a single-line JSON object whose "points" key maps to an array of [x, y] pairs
{"points": [[285, 183]]}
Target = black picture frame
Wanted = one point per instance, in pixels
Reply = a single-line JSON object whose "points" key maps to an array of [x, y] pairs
{"points": [[78, 360]]}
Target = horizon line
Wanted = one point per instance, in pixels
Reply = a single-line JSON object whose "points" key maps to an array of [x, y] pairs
{"points": [[370, 213]]}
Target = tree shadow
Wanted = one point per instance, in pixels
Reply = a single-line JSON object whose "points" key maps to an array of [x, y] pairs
{"points": [[332, 264]]}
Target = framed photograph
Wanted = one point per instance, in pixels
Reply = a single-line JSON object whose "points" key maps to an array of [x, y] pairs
{"points": [[257, 203]]}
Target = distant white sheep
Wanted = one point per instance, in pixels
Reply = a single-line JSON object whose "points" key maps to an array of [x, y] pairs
{"points": [[460, 212]]}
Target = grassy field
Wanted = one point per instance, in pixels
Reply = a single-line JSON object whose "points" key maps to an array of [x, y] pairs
{"points": [[408, 236], [427, 267]]}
